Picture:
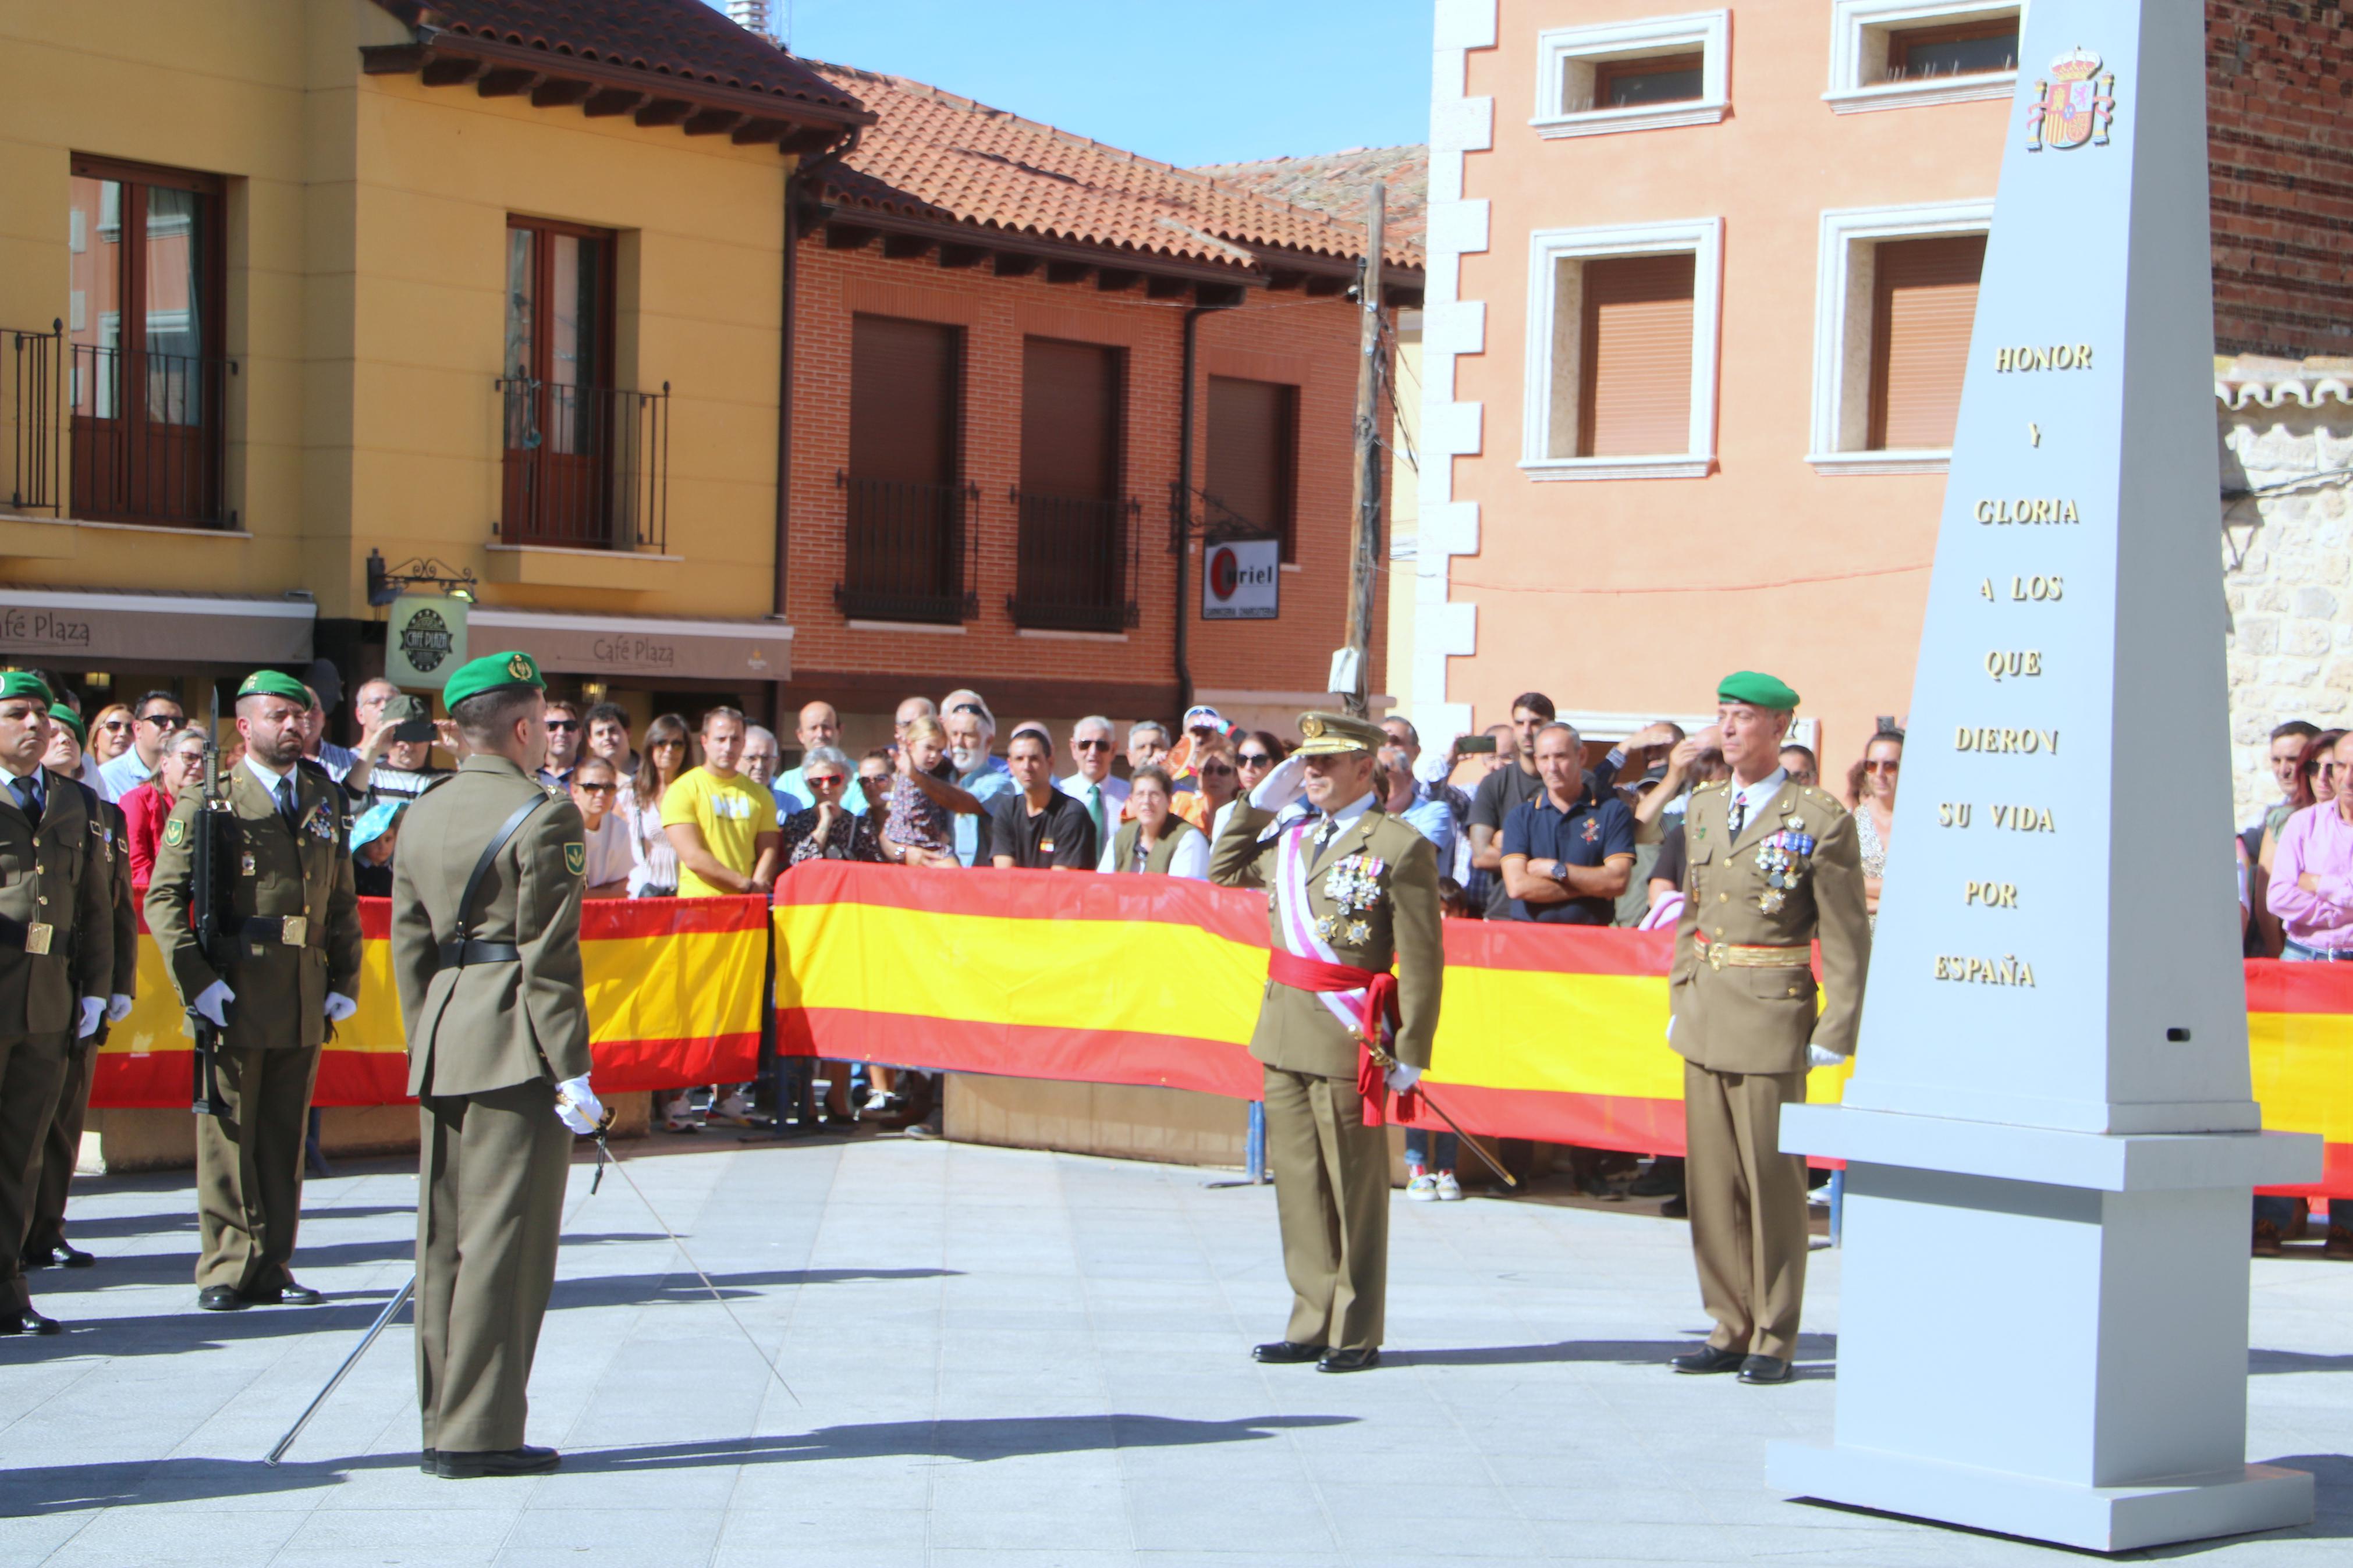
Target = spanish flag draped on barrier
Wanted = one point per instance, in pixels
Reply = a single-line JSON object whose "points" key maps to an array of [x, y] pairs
{"points": [[673, 999], [1548, 1032]]}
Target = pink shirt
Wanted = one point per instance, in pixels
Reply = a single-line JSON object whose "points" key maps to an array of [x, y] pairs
{"points": [[2315, 839]]}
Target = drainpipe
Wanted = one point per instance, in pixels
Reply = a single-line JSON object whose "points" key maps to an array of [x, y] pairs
{"points": [[1193, 314]]}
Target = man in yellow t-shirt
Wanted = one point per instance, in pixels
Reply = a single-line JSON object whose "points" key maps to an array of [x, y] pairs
{"points": [[723, 825]]}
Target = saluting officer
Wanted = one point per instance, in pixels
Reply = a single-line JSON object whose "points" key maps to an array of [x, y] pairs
{"points": [[486, 948], [1351, 893], [57, 959], [45, 1242], [1772, 867], [286, 968]]}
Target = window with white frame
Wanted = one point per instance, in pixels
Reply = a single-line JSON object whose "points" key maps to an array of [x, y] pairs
{"points": [[1896, 54], [1632, 76], [1622, 354], [1896, 298]]}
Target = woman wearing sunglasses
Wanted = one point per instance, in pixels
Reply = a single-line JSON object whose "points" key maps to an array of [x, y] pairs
{"points": [[1874, 814]]}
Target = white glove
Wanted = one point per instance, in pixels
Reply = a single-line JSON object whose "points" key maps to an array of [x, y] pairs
{"points": [[118, 1008], [1402, 1078], [213, 1003], [340, 1007], [1818, 1058], [576, 1105], [1279, 788], [93, 1011]]}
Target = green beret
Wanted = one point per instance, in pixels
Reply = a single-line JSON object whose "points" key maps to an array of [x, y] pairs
{"points": [[498, 672], [1757, 690], [25, 683], [71, 721], [273, 683], [1330, 735]]}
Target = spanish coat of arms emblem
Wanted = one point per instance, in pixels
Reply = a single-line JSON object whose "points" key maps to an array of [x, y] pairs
{"points": [[2074, 105]]}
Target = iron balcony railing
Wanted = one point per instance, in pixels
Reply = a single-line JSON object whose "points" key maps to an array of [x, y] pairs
{"points": [[909, 552], [1077, 564], [587, 467], [148, 435], [29, 383]]}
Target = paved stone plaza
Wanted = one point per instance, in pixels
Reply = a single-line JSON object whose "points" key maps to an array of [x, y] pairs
{"points": [[999, 1358]]}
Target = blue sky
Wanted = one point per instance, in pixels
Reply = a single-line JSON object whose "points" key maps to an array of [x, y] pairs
{"points": [[1201, 81]]}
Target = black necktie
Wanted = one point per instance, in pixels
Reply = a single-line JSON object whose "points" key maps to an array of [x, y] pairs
{"points": [[1739, 814], [28, 797], [286, 799], [1326, 832]]}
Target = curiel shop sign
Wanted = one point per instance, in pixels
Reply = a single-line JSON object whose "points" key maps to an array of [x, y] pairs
{"points": [[43, 629]]}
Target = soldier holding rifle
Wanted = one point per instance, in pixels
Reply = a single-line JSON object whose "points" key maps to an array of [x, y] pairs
{"points": [[56, 945], [265, 964]]}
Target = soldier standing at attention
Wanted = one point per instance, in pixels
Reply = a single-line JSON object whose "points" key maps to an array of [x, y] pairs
{"points": [[486, 948], [1771, 867], [56, 945], [45, 1242], [1352, 892], [285, 970]]}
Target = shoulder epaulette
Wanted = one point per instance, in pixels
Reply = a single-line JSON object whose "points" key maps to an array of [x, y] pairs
{"points": [[1716, 783]]}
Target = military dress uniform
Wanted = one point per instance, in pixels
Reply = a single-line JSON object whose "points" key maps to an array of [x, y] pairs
{"points": [[289, 937], [1365, 896], [497, 1020], [46, 1243], [1758, 895], [57, 946]]}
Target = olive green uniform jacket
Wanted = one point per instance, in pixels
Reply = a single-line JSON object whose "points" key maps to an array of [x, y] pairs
{"points": [[58, 875], [1163, 849], [268, 871]]}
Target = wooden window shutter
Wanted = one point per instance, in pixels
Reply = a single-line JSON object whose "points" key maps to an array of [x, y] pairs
{"points": [[1634, 392], [1070, 419], [1925, 302], [1253, 427], [903, 400]]}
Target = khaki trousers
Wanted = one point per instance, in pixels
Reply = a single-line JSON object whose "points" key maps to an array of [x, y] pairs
{"points": [[490, 1203], [61, 1148], [1332, 1197], [31, 1069], [1747, 1206], [249, 1167]]}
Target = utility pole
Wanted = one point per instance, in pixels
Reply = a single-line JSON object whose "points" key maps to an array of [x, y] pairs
{"points": [[1352, 666]]}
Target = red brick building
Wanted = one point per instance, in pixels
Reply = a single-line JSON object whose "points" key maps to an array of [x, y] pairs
{"points": [[989, 344]]}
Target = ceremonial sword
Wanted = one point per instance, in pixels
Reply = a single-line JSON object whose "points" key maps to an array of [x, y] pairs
{"points": [[1387, 1062]]}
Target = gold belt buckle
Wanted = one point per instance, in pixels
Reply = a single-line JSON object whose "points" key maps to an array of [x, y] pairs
{"points": [[37, 938], [1715, 955], [295, 932]]}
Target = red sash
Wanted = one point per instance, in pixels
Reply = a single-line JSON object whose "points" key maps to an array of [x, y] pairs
{"points": [[1379, 1006]]}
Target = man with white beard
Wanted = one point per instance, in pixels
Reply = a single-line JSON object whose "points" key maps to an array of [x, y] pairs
{"points": [[982, 778]]}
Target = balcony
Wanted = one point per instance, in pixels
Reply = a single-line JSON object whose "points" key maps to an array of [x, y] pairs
{"points": [[909, 552], [1078, 558], [109, 434], [30, 380], [587, 467]]}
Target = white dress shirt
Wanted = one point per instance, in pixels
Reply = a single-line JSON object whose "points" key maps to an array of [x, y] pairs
{"points": [[1755, 796]]}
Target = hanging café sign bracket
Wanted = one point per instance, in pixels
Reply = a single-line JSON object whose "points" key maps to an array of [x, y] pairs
{"points": [[385, 583]]}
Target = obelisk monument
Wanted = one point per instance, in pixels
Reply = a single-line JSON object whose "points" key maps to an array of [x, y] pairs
{"points": [[2050, 1132]]}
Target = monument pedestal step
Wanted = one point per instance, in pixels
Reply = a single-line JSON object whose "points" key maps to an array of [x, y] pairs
{"points": [[2096, 1519]]}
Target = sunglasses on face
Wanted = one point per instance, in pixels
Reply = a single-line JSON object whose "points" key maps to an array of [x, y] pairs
{"points": [[1090, 745], [1255, 759], [1880, 767], [161, 721], [834, 779], [115, 724], [594, 788], [564, 724], [668, 746], [1216, 770], [875, 780]]}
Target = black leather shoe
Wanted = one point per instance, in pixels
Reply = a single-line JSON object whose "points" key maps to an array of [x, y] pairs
{"points": [[452, 1465], [28, 1322], [1707, 1358], [1765, 1369], [37, 1258], [288, 1294], [1349, 1361], [1282, 1352], [428, 1460], [221, 1299], [73, 1257]]}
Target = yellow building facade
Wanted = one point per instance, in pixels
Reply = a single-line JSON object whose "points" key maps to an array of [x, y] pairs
{"points": [[288, 282]]}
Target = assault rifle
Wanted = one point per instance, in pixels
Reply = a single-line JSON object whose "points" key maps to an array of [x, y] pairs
{"points": [[204, 911]]}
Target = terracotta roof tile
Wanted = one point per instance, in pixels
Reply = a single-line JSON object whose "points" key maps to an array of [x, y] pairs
{"points": [[679, 38], [1333, 184], [936, 156]]}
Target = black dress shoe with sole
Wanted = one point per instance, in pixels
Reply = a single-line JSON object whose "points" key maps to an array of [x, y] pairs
{"points": [[221, 1299], [453, 1465], [1283, 1352], [1349, 1361], [1707, 1359], [288, 1294], [73, 1257], [427, 1460], [34, 1258], [1765, 1369], [28, 1322]]}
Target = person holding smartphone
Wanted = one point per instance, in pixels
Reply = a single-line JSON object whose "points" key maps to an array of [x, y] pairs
{"points": [[395, 760]]}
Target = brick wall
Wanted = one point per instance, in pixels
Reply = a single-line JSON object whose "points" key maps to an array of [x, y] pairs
{"points": [[1282, 336], [2280, 127]]}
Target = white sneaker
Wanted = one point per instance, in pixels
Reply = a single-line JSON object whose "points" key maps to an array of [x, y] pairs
{"points": [[1450, 1190], [880, 1104], [736, 1108], [1420, 1185]]}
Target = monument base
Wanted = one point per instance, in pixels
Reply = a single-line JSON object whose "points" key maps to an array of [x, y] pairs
{"points": [[2095, 1519], [2044, 1332]]}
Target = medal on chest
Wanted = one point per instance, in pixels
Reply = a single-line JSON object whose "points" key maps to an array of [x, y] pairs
{"points": [[1781, 861], [1353, 886]]}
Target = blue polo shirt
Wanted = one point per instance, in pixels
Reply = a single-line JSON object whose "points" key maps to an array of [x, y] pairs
{"points": [[1586, 834]]}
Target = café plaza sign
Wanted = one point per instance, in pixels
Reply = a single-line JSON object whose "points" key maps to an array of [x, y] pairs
{"points": [[622, 646]]}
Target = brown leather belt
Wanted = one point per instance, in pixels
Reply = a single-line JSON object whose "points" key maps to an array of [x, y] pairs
{"points": [[1751, 955]]}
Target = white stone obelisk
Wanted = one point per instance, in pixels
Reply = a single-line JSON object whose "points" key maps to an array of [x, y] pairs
{"points": [[2050, 1131]]}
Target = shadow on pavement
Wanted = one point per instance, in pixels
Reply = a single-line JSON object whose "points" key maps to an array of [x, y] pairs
{"points": [[2261, 1363], [118, 1269], [682, 1284], [1626, 1352]]}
